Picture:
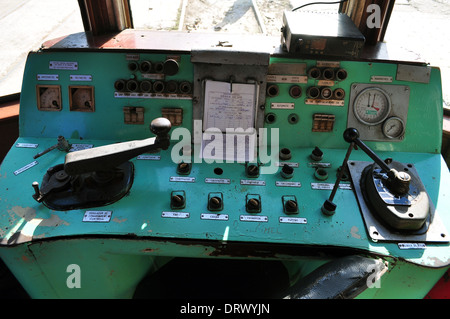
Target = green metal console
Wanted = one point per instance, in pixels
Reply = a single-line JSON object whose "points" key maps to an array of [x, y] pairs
{"points": [[113, 230]]}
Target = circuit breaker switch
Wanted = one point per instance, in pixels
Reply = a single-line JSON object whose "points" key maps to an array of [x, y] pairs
{"points": [[174, 115], [133, 115]]}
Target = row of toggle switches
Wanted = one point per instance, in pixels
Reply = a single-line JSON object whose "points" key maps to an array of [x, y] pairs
{"points": [[252, 202]]}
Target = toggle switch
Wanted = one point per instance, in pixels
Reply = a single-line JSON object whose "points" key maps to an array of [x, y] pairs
{"points": [[184, 168], [177, 200], [290, 204], [253, 203], [251, 170], [215, 201]]}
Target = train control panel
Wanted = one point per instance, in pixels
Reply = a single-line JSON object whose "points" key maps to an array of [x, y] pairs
{"points": [[151, 145]]}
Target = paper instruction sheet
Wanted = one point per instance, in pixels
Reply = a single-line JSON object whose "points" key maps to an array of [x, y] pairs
{"points": [[229, 105]]}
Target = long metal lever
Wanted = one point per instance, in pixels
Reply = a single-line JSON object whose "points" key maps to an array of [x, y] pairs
{"points": [[107, 157]]}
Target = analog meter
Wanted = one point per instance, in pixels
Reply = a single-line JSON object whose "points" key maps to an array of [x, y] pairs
{"points": [[393, 127], [48, 97], [81, 98], [372, 106]]}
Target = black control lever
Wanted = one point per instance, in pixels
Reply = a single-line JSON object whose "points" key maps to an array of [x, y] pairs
{"points": [[107, 157], [100, 164], [397, 182]]}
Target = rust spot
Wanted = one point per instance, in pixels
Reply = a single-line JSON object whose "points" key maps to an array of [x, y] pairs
{"points": [[149, 250], [117, 220]]}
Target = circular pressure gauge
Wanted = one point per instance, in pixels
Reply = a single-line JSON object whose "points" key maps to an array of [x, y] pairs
{"points": [[372, 106], [393, 127]]}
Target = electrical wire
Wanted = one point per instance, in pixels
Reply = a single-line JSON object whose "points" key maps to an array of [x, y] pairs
{"points": [[308, 4]]}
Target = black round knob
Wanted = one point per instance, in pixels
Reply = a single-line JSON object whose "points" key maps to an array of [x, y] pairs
{"points": [[160, 126], [171, 67], [351, 134]]}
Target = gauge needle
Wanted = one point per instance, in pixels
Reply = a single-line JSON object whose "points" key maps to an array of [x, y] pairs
{"points": [[376, 108]]}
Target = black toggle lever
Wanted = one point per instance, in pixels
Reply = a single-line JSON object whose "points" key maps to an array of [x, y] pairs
{"points": [[397, 182], [99, 175]]}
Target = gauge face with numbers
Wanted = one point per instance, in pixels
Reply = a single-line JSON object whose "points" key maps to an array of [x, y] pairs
{"points": [[393, 127], [372, 106]]}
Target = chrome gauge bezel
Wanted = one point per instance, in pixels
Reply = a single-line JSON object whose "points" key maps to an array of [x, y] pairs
{"points": [[386, 112], [385, 128]]}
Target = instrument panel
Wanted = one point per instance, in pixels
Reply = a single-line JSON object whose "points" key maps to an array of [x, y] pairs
{"points": [[224, 152]]}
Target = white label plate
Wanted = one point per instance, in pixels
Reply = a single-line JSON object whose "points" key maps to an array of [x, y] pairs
{"points": [[251, 218], [217, 180], [287, 184], [23, 169], [97, 216], [412, 246], [291, 164], [81, 77], [329, 186], [282, 106], [175, 215], [27, 145], [47, 77], [252, 182], [182, 179], [292, 220], [214, 216], [63, 65]]}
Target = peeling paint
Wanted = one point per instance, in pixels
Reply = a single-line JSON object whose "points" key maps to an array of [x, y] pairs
{"points": [[354, 231]]}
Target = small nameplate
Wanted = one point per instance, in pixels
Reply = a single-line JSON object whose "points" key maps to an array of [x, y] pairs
{"points": [[282, 106], [217, 180], [27, 145], [149, 157], [412, 246], [271, 78], [214, 216], [292, 220], [329, 186], [324, 102], [23, 169], [288, 184], [47, 77], [291, 164], [175, 215], [182, 179], [95, 216], [379, 78], [80, 77], [251, 218], [252, 182], [63, 65]]}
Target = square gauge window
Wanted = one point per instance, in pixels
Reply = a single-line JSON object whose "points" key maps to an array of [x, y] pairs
{"points": [[81, 98], [48, 97]]}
